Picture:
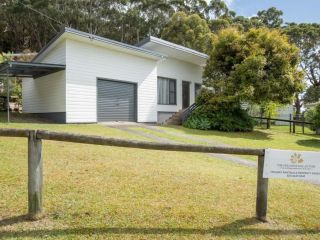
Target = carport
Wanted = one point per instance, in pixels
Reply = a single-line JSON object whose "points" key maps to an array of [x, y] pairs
{"points": [[25, 70]]}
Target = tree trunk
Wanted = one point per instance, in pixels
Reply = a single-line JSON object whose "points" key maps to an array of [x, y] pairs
{"points": [[298, 105]]}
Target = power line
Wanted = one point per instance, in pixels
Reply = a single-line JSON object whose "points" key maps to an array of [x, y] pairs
{"points": [[41, 13]]}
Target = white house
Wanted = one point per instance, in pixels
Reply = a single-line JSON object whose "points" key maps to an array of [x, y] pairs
{"points": [[105, 80]]}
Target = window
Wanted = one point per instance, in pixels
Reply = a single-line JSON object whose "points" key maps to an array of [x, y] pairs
{"points": [[197, 89], [167, 91]]}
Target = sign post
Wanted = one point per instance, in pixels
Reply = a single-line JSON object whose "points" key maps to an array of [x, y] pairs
{"points": [[287, 164], [262, 192]]}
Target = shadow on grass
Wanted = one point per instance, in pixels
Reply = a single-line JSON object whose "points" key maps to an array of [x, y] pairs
{"points": [[13, 220], [232, 229], [315, 143], [16, 117]]}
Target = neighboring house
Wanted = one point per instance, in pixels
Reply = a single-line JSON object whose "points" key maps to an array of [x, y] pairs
{"points": [[105, 80], [310, 105], [284, 112]]}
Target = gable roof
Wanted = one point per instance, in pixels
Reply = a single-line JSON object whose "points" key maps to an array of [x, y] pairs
{"points": [[108, 42], [173, 50]]}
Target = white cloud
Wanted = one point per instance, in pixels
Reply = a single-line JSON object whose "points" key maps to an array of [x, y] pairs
{"points": [[228, 2]]}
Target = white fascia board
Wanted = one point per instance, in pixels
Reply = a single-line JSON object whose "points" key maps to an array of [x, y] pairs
{"points": [[172, 46], [107, 42]]}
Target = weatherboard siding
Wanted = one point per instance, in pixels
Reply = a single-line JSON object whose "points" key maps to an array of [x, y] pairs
{"points": [[45, 94], [181, 71], [56, 55], [86, 62]]}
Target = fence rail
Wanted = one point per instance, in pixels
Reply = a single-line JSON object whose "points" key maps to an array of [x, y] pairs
{"points": [[292, 122], [35, 163], [283, 120]]}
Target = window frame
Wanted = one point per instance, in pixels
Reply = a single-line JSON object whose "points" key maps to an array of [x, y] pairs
{"points": [[170, 91], [195, 89]]}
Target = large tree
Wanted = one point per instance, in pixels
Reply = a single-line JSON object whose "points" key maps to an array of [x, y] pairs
{"points": [[190, 31], [258, 66], [271, 18], [32, 23], [312, 94], [307, 38]]}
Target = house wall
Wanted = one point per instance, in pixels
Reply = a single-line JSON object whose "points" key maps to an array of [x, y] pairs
{"points": [[181, 71], [284, 113], [57, 55], [47, 94], [74, 91], [44, 94], [86, 62]]}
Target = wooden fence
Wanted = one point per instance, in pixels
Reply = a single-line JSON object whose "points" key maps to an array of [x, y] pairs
{"points": [[35, 163], [292, 122]]}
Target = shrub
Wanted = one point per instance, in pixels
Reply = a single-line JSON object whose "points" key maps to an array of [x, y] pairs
{"points": [[313, 116], [219, 112], [228, 120], [198, 122]]}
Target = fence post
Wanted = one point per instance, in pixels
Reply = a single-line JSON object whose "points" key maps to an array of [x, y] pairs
{"points": [[35, 176], [303, 123], [294, 125], [268, 121], [262, 192], [290, 123]]}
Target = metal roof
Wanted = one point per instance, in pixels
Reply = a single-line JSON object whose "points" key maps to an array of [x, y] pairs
{"points": [[172, 46], [100, 39], [29, 69]]}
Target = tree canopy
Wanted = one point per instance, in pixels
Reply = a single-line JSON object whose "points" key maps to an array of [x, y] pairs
{"points": [[307, 38], [312, 94], [257, 66], [30, 24], [271, 17], [190, 31]]}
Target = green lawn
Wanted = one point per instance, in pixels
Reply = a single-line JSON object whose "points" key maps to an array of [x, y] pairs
{"points": [[277, 137], [101, 192]]}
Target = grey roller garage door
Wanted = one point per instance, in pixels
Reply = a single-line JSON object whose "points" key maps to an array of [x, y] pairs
{"points": [[116, 101]]}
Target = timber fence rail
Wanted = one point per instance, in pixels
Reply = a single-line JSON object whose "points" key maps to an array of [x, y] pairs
{"points": [[35, 162], [292, 122]]}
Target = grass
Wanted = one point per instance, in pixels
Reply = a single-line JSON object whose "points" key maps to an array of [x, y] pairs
{"points": [[26, 121], [100, 192], [276, 137]]}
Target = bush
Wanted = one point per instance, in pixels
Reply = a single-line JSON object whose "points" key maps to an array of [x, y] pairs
{"points": [[198, 122], [234, 120], [219, 112], [313, 116]]}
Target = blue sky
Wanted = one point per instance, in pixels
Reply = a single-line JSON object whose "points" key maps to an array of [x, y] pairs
{"points": [[294, 10]]}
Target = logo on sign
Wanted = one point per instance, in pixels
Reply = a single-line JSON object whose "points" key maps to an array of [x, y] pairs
{"points": [[296, 158]]}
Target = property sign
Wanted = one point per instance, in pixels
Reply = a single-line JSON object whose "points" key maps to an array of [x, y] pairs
{"points": [[291, 164]]}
